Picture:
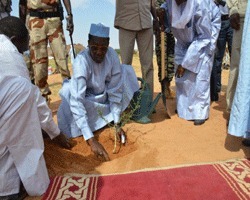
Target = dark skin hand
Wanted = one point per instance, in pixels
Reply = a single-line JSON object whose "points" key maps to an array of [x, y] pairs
{"points": [[70, 24], [179, 72], [235, 21], [160, 12], [98, 149], [63, 141]]}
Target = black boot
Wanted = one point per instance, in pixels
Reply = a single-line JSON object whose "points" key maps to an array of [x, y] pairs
{"points": [[198, 122]]}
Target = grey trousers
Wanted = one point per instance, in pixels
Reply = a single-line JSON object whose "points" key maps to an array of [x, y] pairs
{"points": [[144, 40], [234, 65]]}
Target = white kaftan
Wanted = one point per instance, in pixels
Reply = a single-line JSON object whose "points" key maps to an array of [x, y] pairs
{"points": [[94, 92], [195, 25], [23, 112], [239, 123]]}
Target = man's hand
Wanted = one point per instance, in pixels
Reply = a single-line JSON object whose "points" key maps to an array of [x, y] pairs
{"points": [[70, 24], [235, 21], [98, 149], [161, 14], [156, 28], [179, 72], [63, 141]]}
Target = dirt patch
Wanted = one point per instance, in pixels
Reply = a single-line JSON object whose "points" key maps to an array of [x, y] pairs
{"points": [[80, 159]]}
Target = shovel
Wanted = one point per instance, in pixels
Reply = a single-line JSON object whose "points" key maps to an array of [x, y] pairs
{"points": [[163, 73]]}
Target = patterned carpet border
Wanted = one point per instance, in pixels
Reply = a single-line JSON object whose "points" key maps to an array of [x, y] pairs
{"points": [[234, 172], [237, 175]]}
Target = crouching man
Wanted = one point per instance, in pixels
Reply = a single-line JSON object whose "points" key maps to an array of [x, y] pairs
{"points": [[99, 90], [23, 114]]}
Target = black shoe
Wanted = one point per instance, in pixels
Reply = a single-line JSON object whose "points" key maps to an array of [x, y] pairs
{"points": [[198, 122], [246, 142], [20, 196]]}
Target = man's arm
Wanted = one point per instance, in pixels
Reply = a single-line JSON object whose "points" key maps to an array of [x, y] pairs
{"points": [[23, 10], [234, 14], [70, 24], [47, 123], [155, 18]]}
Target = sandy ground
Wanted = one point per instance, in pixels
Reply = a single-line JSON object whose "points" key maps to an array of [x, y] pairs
{"points": [[161, 143]]}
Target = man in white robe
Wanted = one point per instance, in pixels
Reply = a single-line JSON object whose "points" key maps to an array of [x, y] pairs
{"points": [[239, 123], [99, 90], [196, 25], [23, 114]]}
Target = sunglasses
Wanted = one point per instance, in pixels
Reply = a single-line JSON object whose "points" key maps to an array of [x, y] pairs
{"points": [[95, 48]]}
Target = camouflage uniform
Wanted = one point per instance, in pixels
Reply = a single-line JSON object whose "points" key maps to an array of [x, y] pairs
{"points": [[169, 58], [26, 56], [5, 8], [45, 26]]}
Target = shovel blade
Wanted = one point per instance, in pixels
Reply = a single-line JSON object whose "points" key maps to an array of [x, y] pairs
{"points": [[164, 97]]}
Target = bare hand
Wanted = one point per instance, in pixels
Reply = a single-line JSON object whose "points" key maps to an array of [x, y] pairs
{"points": [[98, 149], [160, 12], [179, 72], [235, 21], [70, 24], [63, 141]]}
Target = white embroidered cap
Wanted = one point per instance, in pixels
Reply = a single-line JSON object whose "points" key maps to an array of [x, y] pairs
{"points": [[99, 30]]}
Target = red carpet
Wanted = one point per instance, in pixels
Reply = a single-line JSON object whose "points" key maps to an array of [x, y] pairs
{"points": [[228, 180]]}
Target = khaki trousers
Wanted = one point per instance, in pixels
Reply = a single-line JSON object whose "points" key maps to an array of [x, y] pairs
{"points": [[234, 65], [42, 32], [144, 40]]}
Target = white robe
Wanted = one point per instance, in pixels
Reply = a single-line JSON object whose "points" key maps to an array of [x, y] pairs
{"points": [[95, 95], [239, 123], [195, 25], [23, 113]]}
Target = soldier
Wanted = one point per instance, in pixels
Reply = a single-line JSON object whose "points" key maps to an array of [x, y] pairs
{"points": [[169, 58], [5, 8], [45, 25]]}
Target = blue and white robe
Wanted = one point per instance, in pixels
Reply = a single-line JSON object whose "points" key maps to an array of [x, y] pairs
{"points": [[195, 25], [96, 94]]}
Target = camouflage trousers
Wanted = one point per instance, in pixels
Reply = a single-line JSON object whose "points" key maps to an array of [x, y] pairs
{"points": [[169, 58], [26, 57], [42, 32]]}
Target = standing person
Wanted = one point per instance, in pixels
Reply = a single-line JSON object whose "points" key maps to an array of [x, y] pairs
{"points": [[195, 24], [225, 38], [98, 92], [5, 8], [239, 124], [169, 58], [45, 26], [134, 20], [23, 113], [237, 10]]}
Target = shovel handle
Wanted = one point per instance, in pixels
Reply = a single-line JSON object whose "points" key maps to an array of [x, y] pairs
{"points": [[163, 52]]}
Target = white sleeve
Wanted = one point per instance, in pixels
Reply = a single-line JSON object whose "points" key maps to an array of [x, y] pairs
{"points": [[45, 116]]}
